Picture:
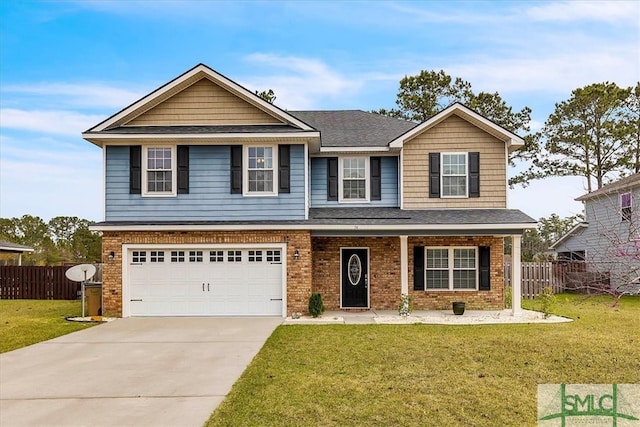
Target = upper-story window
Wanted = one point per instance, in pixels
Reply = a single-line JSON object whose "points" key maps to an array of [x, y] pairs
{"points": [[625, 206], [159, 174], [260, 177], [454, 174], [354, 177]]}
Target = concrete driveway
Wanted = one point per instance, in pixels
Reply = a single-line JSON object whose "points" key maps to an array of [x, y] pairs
{"points": [[130, 372]]}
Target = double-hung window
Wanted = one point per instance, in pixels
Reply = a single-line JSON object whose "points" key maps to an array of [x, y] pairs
{"points": [[625, 206], [451, 268], [354, 174], [454, 175], [260, 174], [159, 175]]}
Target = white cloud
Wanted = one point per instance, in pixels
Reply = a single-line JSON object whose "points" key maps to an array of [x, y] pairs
{"points": [[54, 122], [608, 11], [302, 82], [76, 94]]}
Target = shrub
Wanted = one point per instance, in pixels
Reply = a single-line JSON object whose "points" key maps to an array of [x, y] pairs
{"points": [[406, 305], [548, 300], [508, 297], [316, 306]]}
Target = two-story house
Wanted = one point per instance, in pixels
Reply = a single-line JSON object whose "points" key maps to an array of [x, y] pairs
{"points": [[608, 240], [220, 203]]}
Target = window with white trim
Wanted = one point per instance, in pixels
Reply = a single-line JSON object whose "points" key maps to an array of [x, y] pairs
{"points": [[234, 256], [177, 256], [156, 256], [139, 256], [216, 256], [625, 206], [454, 174], [260, 176], [255, 256], [451, 268], [354, 176], [159, 171], [195, 256]]}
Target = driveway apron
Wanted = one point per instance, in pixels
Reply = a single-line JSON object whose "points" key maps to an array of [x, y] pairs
{"points": [[130, 372]]}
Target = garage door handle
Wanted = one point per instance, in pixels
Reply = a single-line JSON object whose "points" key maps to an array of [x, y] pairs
{"points": [[203, 287], [276, 299], [137, 299], [208, 289]]}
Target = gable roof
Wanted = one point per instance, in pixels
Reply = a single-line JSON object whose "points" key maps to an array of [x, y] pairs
{"points": [[512, 140], [185, 80], [354, 128], [6, 246], [621, 185], [576, 230]]}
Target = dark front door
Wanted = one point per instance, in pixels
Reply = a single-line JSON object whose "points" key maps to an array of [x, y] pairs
{"points": [[355, 278]]}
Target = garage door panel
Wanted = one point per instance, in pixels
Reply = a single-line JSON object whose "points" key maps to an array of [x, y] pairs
{"points": [[200, 282]]}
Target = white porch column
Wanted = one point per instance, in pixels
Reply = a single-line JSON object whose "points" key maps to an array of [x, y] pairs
{"points": [[404, 266], [516, 275]]}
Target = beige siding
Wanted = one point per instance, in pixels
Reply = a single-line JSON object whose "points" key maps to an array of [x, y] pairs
{"points": [[454, 135], [203, 103]]}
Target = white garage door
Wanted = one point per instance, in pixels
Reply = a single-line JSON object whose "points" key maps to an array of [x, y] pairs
{"points": [[205, 282]]}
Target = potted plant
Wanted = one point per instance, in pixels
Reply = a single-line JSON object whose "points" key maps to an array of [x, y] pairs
{"points": [[458, 307]]}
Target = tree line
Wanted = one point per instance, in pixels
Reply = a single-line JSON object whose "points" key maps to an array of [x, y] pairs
{"points": [[62, 240]]}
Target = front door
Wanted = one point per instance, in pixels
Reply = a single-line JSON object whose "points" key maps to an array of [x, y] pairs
{"points": [[355, 278]]}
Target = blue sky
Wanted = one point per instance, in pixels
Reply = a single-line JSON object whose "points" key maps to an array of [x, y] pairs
{"points": [[65, 66]]}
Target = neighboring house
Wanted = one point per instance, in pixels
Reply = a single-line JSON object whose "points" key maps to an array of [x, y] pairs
{"points": [[609, 238], [220, 203], [7, 247]]}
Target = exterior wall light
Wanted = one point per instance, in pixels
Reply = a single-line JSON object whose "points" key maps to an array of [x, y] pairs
{"points": [[296, 255], [112, 255]]}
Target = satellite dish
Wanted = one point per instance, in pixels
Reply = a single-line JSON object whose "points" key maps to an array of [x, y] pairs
{"points": [[80, 273]]}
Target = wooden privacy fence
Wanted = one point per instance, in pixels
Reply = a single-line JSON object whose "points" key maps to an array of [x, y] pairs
{"points": [[538, 275], [38, 282]]}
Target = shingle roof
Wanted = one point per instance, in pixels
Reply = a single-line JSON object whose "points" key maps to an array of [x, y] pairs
{"points": [[372, 218], [6, 246], [622, 184], [354, 128]]}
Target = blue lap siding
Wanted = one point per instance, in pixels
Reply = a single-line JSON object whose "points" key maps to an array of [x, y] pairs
{"points": [[389, 187], [209, 195]]}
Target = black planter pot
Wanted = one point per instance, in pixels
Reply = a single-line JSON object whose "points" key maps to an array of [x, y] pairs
{"points": [[458, 307]]}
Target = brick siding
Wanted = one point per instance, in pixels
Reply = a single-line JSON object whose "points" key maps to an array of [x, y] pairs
{"points": [[298, 274]]}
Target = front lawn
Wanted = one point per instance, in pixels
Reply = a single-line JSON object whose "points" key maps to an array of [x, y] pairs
{"points": [[418, 375], [26, 322]]}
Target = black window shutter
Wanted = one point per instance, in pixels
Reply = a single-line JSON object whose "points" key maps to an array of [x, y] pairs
{"points": [[375, 173], [135, 169], [418, 268], [284, 168], [474, 174], [183, 169], [485, 268], [236, 169], [332, 178], [434, 175]]}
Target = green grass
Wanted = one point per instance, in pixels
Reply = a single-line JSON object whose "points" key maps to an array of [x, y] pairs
{"points": [[26, 322], [418, 375]]}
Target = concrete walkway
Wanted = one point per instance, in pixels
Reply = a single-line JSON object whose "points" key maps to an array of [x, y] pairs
{"points": [[435, 317], [130, 372]]}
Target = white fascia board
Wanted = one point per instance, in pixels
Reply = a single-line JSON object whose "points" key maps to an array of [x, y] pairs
{"points": [[311, 227], [218, 78], [194, 139], [513, 141]]}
